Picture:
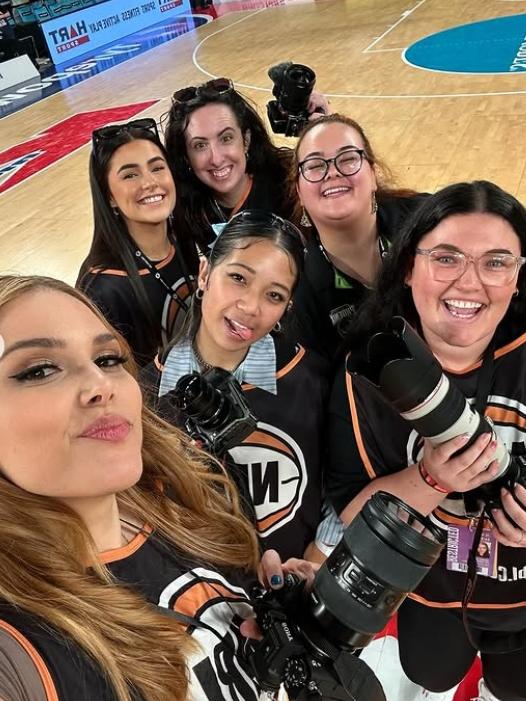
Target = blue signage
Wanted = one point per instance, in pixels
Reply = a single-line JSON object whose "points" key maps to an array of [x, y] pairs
{"points": [[83, 31], [492, 46]]}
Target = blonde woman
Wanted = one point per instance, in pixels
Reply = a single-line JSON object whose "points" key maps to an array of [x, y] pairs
{"points": [[106, 540]]}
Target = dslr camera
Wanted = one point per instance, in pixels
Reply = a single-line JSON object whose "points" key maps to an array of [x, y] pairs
{"points": [[293, 85], [401, 366], [213, 409], [309, 638]]}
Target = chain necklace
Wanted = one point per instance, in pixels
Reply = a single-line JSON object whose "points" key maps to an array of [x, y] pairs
{"points": [[202, 363]]}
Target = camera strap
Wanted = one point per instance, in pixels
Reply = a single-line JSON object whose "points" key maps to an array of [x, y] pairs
{"points": [[491, 642], [150, 265]]}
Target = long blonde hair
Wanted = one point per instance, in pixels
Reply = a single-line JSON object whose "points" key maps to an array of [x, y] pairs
{"points": [[115, 626]]}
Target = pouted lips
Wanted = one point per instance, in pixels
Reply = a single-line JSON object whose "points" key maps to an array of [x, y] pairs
{"points": [[108, 428], [244, 332], [462, 308]]}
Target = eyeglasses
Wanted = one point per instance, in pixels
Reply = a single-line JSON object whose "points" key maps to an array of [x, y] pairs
{"points": [[348, 162], [113, 130], [493, 269], [217, 86]]}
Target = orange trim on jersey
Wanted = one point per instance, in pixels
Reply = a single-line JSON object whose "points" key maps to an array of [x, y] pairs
{"points": [[447, 518], [128, 549], [143, 271], [199, 594], [507, 416], [265, 523], [458, 604], [45, 676], [243, 197], [262, 438], [498, 354], [284, 371], [356, 428]]}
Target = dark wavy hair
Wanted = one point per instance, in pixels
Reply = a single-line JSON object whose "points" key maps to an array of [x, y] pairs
{"points": [[392, 296], [112, 245], [244, 229], [193, 197]]}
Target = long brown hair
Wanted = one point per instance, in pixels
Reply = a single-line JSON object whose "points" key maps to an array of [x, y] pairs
{"points": [[44, 548], [386, 186]]}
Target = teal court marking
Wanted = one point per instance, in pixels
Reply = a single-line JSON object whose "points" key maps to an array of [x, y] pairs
{"points": [[491, 46]]}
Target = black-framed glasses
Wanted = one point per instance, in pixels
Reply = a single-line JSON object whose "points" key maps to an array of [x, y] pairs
{"points": [[347, 162], [217, 86], [113, 130], [493, 269]]}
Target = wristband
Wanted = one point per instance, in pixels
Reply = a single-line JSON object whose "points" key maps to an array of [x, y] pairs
{"points": [[424, 474]]}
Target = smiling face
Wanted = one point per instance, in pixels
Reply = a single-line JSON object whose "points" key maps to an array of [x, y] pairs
{"points": [[141, 184], [459, 318], [337, 198], [216, 150], [70, 414], [244, 295]]}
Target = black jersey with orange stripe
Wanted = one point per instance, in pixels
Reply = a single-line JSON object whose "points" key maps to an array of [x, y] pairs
{"points": [[217, 601], [281, 461], [113, 293], [368, 438]]}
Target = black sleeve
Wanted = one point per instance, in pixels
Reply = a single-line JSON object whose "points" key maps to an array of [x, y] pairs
{"points": [[308, 320], [112, 295], [366, 438]]}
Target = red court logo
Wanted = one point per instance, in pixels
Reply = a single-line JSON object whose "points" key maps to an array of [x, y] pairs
{"points": [[22, 161]]}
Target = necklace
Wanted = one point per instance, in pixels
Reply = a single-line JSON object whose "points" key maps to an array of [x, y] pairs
{"points": [[202, 363]]}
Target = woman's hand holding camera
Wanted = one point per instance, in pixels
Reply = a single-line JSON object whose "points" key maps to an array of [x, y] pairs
{"points": [[510, 521], [465, 471]]}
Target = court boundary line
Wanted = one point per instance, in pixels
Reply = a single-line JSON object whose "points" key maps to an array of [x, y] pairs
{"points": [[401, 19]]}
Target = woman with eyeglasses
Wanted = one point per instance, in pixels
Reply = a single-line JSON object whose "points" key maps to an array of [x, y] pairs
{"points": [[237, 322], [351, 214], [124, 560], [456, 274], [223, 158], [139, 270]]}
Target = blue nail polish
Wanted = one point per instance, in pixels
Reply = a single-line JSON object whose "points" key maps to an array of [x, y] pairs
{"points": [[275, 580]]}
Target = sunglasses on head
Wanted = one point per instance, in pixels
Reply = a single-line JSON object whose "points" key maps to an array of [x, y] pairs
{"points": [[113, 130], [217, 86]]}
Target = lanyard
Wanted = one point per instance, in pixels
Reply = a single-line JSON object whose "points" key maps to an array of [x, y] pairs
{"points": [[157, 275], [241, 201]]}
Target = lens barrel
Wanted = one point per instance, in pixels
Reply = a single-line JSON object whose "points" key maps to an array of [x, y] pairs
{"points": [[385, 553], [200, 400]]}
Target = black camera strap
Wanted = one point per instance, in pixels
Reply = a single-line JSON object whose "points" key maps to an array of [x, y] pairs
{"points": [[150, 265], [491, 642]]}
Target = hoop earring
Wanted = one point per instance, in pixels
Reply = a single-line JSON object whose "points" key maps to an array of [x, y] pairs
{"points": [[374, 203], [277, 327], [115, 212], [198, 294], [305, 221], [516, 293]]}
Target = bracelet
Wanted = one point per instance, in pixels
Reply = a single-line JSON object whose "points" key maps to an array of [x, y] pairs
{"points": [[424, 474]]}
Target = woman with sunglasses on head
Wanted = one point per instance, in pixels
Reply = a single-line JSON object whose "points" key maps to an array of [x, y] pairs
{"points": [[138, 270], [456, 274], [115, 582], [223, 158], [238, 311], [351, 213]]}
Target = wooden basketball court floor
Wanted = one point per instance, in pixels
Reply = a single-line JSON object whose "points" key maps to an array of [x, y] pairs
{"points": [[432, 128]]}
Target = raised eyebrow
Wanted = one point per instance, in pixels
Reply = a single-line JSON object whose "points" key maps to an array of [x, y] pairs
{"points": [[52, 343]]}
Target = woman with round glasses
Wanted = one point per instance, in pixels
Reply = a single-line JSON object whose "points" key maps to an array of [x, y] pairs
{"points": [[138, 271], [223, 158], [351, 213], [456, 274], [236, 323]]}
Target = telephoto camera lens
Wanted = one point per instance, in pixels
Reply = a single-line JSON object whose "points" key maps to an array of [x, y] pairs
{"points": [[385, 553], [296, 87], [199, 399]]}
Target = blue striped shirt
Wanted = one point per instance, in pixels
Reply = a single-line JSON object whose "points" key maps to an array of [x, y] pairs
{"points": [[258, 368]]}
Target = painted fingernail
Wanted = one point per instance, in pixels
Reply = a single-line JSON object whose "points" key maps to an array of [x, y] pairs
{"points": [[276, 580]]}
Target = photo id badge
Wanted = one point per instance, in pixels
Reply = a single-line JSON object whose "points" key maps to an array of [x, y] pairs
{"points": [[459, 542]]}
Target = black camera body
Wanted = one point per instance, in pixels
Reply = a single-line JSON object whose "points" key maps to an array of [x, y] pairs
{"points": [[407, 374], [213, 409], [293, 85], [309, 638]]}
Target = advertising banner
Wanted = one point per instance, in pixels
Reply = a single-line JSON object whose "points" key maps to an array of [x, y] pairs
{"points": [[79, 32]]}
